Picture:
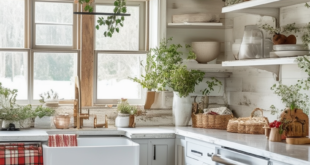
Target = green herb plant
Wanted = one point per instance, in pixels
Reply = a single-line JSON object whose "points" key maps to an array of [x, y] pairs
{"points": [[124, 107], [7, 97], [88, 7], [292, 97], [43, 111], [51, 94]]}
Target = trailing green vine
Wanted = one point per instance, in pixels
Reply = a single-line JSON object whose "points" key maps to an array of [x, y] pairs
{"points": [[113, 22]]}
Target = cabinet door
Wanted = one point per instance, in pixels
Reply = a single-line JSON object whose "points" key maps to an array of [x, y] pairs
{"points": [[144, 144], [160, 154]]}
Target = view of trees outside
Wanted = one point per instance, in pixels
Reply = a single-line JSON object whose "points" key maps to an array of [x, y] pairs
{"points": [[54, 23], [113, 73], [12, 24], [127, 38], [13, 72], [55, 71], [13, 65]]}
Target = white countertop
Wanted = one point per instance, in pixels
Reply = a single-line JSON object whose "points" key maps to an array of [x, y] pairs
{"points": [[256, 144]]}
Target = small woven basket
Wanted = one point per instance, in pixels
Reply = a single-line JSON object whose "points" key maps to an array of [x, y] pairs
{"points": [[232, 125], [215, 121], [197, 120]]}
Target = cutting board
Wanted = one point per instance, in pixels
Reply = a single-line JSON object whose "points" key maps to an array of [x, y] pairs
{"points": [[298, 141]]}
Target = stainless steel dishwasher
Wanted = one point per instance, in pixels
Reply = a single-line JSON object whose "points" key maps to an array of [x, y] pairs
{"points": [[229, 156]]}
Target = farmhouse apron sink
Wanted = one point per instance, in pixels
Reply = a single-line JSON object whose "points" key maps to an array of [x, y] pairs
{"points": [[94, 151]]}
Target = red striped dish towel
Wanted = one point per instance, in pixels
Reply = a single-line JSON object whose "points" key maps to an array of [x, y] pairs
{"points": [[62, 140], [20, 154]]}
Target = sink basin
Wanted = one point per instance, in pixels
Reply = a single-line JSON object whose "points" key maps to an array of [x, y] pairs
{"points": [[94, 151]]}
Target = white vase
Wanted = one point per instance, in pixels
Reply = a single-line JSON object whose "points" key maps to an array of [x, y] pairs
{"points": [[181, 110], [18, 124], [122, 120], [44, 122]]}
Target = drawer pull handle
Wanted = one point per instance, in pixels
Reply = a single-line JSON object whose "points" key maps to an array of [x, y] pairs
{"points": [[197, 152]]}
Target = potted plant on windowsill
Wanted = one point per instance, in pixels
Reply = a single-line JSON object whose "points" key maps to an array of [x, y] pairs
{"points": [[44, 117], [49, 98], [124, 111]]}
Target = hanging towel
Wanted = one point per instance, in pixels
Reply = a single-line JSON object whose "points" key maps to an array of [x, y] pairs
{"points": [[62, 140], [20, 154]]}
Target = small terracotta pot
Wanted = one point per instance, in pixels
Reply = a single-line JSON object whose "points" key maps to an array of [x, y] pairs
{"points": [[150, 97]]}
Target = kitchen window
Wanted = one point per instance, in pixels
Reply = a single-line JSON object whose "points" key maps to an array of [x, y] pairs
{"points": [[37, 48], [119, 57]]}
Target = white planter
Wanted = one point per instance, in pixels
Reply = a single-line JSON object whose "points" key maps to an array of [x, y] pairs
{"points": [[44, 122], [122, 120], [18, 124], [181, 110]]}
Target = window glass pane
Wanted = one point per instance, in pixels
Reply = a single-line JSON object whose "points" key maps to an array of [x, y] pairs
{"points": [[12, 23], [48, 12], [54, 35], [113, 73], [127, 38], [55, 71], [13, 72]]}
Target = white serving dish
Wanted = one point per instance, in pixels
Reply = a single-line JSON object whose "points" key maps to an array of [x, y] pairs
{"points": [[94, 150], [277, 54], [289, 47]]}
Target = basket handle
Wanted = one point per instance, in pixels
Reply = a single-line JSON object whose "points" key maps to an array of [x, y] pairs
{"points": [[267, 121], [256, 109]]}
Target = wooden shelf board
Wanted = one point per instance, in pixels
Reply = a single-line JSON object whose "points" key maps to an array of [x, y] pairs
{"points": [[260, 62], [261, 4]]}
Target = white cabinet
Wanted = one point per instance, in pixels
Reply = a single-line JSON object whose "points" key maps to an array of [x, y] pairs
{"points": [[156, 151], [180, 146]]}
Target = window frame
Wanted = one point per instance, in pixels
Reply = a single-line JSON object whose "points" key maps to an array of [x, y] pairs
{"points": [[33, 26], [143, 34], [33, 51], [31, 48]]}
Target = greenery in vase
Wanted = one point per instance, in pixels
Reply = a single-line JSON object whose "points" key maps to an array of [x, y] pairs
{"points": [[124, 107], [184, 81], [51, 94], [18, 113], [113, 22], [159, 64], [43, 111]]}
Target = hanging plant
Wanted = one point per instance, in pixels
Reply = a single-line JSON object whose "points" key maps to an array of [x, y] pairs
{"points": [[113, 22]]}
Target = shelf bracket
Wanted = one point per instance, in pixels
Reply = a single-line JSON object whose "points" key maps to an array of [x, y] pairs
{"points": [[275, 69]]}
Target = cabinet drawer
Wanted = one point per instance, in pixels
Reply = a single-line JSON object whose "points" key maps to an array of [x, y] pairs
{"points": [[201, 151]]}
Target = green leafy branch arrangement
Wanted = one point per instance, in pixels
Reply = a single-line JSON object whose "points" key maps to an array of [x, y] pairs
{"points": [[43, 111], [88, 7], [214, 82], [164, 68], [159, 63]]}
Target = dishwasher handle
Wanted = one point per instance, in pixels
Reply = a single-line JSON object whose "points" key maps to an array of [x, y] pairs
{"points": [[225, 161]]}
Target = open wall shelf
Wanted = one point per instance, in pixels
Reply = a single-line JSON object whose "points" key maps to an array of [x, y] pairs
{"points": [[261, 4]]}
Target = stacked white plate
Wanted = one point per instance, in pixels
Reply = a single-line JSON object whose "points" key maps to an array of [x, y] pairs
{"points": [[289, 50]]}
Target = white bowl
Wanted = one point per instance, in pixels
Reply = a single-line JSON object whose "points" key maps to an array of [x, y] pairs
{"points": [[206, 51]]}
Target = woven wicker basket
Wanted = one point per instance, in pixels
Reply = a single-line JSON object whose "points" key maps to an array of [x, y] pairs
{"points": [[197, 120], [248, 125], [215, 121]]}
